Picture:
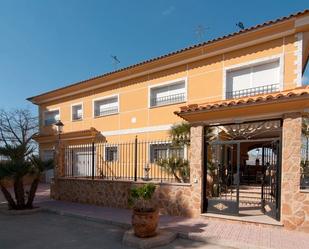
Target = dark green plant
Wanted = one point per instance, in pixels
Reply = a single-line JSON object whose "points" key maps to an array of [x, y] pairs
{"points": [[209, 133], [17, 129], [141, 198], [16, 168], [180, 134], [176, 166]]}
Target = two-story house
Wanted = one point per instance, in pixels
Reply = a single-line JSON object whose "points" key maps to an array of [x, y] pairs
{"points": [[243, 95]]}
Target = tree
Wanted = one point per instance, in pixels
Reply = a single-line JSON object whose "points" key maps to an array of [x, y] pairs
{"points": [[180, 134], [176, 166], [16, 131]]}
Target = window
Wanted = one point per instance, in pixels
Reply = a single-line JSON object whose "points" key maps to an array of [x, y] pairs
{"points": [[77, 112], [168, 94], [106, 106], [111, 153], [51, 117], [253, 80], [304, 164], [163, 151]]}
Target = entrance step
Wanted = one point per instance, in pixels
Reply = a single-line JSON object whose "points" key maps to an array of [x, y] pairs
{"points": [[262, 220]]}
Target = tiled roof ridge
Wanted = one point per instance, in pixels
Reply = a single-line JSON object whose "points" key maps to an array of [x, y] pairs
{"points": [[292, 92]]}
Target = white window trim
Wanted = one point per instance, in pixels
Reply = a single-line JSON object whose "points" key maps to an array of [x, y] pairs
{"points": [[50, 110], [110, 146], [76, 104], [256, 62], [166, 83], [185, 149], [103, 98]]}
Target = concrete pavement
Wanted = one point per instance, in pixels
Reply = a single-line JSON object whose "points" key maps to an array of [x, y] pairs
{"points": [[50, 231], [200, 229]]}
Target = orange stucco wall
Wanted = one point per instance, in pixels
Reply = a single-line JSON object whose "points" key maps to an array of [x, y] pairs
{"points": [[205, 80]]}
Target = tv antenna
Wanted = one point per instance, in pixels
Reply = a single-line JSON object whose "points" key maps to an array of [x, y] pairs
{"points": [[240, 25], [200, 32], [115, 62]]}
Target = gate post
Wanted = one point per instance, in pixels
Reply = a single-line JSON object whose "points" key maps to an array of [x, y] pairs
{"points": [[292, 200], [196, 168]]}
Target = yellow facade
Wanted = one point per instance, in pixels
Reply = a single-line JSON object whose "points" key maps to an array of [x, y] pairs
{"points": [[202, 67]]}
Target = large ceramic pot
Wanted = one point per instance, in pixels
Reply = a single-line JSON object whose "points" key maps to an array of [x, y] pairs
{"points": [[145, 223]]}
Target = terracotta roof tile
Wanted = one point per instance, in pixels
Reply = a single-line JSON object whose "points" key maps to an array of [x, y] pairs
{"points": [[291, 93]]}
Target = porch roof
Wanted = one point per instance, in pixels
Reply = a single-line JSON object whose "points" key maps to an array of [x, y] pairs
{"points": [[91, 133], [298, 96]]}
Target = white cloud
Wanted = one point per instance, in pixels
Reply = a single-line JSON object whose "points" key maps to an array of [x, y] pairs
{"points": [[168, 11]]}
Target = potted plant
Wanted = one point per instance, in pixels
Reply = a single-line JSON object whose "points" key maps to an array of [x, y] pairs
{"points": [[145, 213]]}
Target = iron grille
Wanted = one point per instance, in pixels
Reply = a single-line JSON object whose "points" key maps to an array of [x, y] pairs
{"points": [[135, 161], [106, 111], [252, 91], [77, 116], [166, 100]]}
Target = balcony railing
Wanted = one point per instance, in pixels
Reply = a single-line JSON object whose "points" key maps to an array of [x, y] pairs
{"points": [[77, 117], [252, 91], [166, 100], [106, 111]]}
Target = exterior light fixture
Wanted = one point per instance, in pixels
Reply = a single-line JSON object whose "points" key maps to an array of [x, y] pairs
{"points": [[59, 126]]}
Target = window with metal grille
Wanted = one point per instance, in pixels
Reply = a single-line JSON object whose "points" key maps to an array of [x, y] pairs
{"points": [[111, 153], [77, 112], [168, 94], [164, 151], [253, 80], [106, 106]]}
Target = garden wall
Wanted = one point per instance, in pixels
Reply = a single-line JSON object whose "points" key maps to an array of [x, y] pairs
{"points": [[173, 199]]}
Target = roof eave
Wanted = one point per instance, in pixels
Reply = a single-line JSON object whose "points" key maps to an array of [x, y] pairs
{"points": [[35, 100]]}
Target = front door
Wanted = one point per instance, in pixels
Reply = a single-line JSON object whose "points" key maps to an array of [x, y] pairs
{"points": [[271, 179]]}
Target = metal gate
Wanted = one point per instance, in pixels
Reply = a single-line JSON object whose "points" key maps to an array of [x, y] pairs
{"points": [[271, 179], [223, 177]]}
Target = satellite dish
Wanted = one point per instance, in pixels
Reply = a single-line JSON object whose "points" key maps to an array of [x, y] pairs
{"points": [[240, 25]]}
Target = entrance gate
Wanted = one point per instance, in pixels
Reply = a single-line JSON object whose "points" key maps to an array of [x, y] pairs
{"points": [[271, 179], [223, 163]]}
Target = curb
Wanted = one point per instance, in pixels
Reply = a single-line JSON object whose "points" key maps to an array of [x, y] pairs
{"points": [[85, 217], [182, 235], [6, 211]]}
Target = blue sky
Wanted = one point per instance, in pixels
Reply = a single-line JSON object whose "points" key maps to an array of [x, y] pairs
{"points": [[49, 44]]}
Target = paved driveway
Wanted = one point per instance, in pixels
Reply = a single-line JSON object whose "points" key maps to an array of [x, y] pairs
{"points": [[45, 230]]}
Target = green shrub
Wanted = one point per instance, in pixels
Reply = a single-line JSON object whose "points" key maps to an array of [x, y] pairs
{"points": [[141, 198]]}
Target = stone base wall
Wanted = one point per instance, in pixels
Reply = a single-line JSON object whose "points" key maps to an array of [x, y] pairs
{"points": [[172, 199]]}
